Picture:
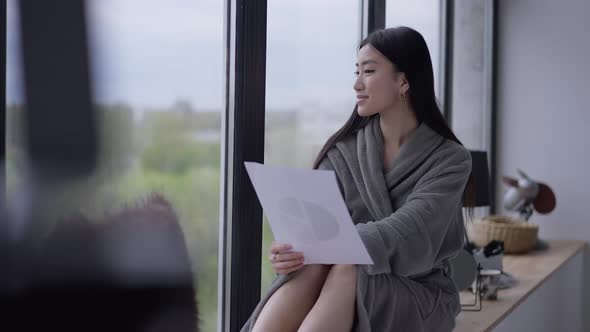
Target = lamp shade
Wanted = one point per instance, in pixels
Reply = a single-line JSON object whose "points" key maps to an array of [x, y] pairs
{"points": [[481, 178]]}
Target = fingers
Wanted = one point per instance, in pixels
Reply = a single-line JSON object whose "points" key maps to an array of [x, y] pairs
{"points": [[277, 248], [283, 260], [275, 258], [288, 267]]}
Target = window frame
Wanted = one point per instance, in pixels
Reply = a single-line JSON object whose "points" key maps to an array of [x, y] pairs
{"points": [[243, 130], [447, 48], [3, 83], [492, 98], [489, 106], [242, 140]]}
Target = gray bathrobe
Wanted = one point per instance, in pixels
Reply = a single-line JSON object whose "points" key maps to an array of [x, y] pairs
{"points": [[410, 220]]}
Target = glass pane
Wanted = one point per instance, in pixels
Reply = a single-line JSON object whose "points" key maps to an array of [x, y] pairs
{"points": [[424, 17], [14, 100], [311, 51], [157, 70], [470, 119], [470, 115], [158, 75]]}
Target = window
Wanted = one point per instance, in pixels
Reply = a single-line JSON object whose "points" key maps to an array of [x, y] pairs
{"points": [[470, 74], [311, 51], [157, 74], [160, 81], [14, 101]]}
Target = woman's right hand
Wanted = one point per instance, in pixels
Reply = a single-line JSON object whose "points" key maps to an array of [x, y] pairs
{"points": [[283, 260]]}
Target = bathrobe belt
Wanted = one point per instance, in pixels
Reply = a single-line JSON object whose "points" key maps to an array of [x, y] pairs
{"points": [[444, 265]]}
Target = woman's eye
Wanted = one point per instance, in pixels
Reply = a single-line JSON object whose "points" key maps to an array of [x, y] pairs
{"points": [[356, 72], [369, 71]]}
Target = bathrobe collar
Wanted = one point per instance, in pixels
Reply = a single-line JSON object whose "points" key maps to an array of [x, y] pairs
{"points": [[369, 154]]}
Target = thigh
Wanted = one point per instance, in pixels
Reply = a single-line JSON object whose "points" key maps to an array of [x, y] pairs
{"points": [[288, 306], [310, 277], [334, 310], [303, 287]]}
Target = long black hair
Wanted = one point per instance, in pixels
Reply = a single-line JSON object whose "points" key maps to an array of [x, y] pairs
{"points": [[407, 50]]}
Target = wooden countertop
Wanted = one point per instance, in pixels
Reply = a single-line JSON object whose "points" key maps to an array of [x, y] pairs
{"points": [[531, 269]]}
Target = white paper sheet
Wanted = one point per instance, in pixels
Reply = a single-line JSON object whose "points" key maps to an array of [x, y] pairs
{"points": [[305, 209]]}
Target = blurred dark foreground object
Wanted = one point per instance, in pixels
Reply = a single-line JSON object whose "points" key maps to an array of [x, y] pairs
{"points": [[128, 272]]}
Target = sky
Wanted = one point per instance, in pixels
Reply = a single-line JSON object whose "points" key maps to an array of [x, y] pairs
{"points": [[152, 53]]}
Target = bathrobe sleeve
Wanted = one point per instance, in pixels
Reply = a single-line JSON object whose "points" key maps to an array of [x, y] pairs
{"points": [[409, 240]]}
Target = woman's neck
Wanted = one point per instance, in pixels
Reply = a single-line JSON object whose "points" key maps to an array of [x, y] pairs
{"points": [[396, 126]]}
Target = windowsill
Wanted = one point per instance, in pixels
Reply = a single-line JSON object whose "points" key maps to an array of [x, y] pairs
{"points": [[532, 270]]}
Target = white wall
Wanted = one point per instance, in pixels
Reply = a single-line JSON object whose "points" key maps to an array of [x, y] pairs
{"points": [[544, 110]]}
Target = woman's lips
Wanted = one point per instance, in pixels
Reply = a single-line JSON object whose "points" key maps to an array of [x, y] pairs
{"points": [[360, 99]]}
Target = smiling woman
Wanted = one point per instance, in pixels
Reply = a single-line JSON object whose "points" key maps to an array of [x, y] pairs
{"points": [[407, 208]]}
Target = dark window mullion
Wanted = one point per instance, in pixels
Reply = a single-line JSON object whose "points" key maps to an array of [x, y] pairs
{"points": [[448, 50], [376, 18], [248, 145], [3, 140], [493, 102]]}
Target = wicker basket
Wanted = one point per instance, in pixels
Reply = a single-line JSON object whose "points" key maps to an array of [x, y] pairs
{"points": [[518, 235]]}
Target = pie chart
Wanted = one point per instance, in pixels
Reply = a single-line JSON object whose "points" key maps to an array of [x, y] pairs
{"points": [[308, 221]]}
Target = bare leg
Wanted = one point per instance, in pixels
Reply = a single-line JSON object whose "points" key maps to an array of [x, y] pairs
{"points": [[336, 306], [288, 306]]}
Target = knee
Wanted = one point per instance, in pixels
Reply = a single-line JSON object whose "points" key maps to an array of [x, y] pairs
{"points": [[344, 271], [317, 270], [315, 273]]}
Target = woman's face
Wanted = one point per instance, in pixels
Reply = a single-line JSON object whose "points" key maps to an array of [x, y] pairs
{"points": [[378, 85]]}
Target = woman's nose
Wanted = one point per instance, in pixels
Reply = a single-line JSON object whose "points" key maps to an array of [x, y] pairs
{"points": [[358, 85]]}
